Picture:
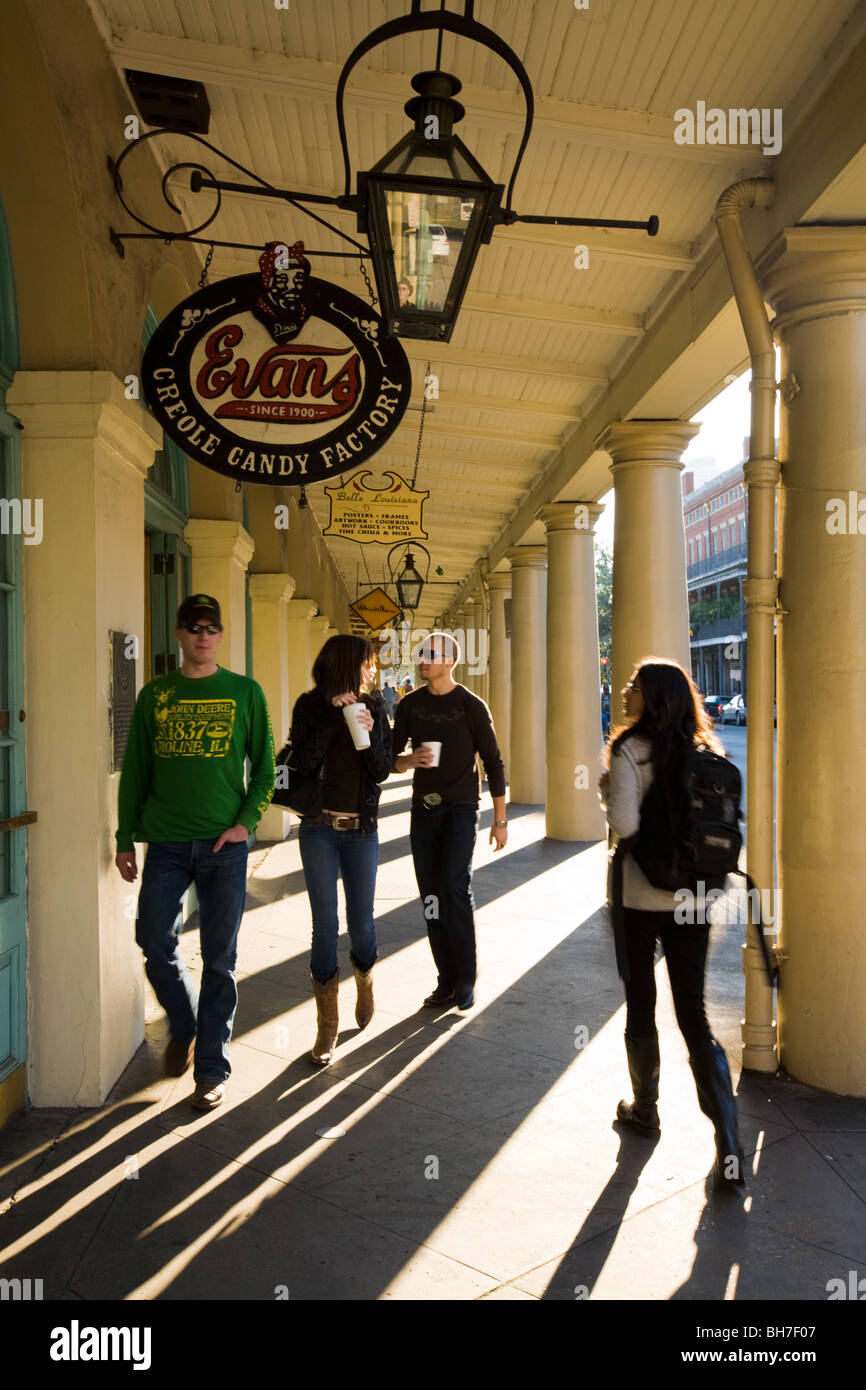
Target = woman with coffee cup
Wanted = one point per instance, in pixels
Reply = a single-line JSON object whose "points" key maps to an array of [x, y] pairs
{"points": [[343, 736]]}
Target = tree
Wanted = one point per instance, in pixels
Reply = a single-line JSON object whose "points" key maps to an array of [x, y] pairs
{"points": [[604, 596]]}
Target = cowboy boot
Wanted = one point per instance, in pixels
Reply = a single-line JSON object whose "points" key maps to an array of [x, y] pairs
{"points": [[716, 1098], [643, 1068], [365, 1004], [327, 1017]]}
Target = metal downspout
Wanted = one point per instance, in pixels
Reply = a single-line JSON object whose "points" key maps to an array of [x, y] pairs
{"points": [[761, 590]]}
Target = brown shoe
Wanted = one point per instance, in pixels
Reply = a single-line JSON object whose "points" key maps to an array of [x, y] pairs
{"points": [[208, 1095], [178, 1056], [327, 1015], [365, 1006]]}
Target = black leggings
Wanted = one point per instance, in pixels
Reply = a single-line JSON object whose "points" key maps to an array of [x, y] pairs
{"points": [[685, 950]]}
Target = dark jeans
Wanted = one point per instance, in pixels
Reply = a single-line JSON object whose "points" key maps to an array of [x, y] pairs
{"points": [[443, 838], [326, 853], [685, 951], [220, 881]]}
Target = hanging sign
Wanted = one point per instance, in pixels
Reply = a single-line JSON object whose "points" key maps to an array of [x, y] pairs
{"points": [[276, 377], [377, 516], [375, 609]]}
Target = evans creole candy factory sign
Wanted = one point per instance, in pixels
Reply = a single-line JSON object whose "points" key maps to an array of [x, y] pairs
{"points": [[276, 377]]}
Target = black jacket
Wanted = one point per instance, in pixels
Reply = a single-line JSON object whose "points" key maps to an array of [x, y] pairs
{"points": [[314, 723]]}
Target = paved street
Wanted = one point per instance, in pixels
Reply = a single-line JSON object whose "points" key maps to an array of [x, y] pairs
{"points": [[441, 1156]]}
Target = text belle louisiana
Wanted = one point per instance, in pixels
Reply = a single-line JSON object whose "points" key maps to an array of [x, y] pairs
{"points": [[289, 385]]}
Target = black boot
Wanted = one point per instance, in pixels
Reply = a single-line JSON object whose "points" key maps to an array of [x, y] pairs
{"points": [[643, 1068], [716, 1098]]}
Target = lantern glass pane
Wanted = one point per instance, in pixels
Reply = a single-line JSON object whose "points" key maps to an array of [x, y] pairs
{"points": [[427, 232]]}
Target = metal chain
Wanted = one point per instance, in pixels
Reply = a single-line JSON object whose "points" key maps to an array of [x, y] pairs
{"points": [[206, 267], [373, 299], [421, 427]]}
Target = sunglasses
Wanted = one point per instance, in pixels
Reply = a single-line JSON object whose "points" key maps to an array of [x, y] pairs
{"points": [[196, 628]]}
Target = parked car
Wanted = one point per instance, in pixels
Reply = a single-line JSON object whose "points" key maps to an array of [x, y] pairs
{"points": [[734, 712], [714, 704], [440, 243]]}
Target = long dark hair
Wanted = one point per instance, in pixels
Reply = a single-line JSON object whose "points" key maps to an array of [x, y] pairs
{"points": [[337, 668], [673, 718]]}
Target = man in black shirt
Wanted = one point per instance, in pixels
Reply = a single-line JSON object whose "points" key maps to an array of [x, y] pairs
{"points": [[445, 809]]}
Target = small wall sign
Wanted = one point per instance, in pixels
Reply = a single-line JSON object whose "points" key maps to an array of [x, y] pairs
{"points": [[276, 377], [378, 516]]}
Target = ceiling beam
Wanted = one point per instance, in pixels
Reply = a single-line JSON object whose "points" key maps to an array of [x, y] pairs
{"points": [[539, 310], [465, 400], [504, 436], [307, 79]]}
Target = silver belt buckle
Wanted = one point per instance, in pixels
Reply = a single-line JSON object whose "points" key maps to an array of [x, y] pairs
{"points": [[432, 799]]}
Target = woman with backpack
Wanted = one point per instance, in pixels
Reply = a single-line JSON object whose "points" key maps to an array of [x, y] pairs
{"points": [[338, 836], [666, 723]]}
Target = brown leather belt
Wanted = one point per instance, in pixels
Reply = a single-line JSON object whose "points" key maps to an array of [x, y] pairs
{"points": [[337, 822]]}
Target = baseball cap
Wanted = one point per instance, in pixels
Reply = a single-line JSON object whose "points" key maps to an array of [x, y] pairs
{"points": [[199, 608]]}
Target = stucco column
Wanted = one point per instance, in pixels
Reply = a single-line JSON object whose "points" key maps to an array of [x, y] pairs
{"points": [[86, 451], [528, 672], [815, 279], [299, 612], [221, 551], [470, 676], [499, 676], [320, 630], [574, 737], [650, 600], [269, 594]]}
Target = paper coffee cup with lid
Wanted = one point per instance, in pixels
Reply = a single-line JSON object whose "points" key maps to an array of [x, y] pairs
{"points": [[351, 714]]}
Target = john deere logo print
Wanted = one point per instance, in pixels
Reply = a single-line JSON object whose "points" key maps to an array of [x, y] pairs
{"points": [[276, 377], [192, 728]]}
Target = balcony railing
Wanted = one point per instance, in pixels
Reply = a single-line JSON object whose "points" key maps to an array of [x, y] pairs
{"points": [[719, 561]]}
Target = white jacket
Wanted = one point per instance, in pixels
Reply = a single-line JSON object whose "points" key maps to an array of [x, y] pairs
{"points": [[631, 774]]}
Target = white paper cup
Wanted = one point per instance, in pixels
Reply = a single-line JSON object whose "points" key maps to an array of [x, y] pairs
{"points": [[360, 735], [436, 749]]}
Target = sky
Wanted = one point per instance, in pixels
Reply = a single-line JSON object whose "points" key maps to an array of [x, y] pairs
{"points": [[717, 447]]}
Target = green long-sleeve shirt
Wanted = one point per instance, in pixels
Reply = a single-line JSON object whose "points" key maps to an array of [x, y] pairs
{"points": [[183, 770]]}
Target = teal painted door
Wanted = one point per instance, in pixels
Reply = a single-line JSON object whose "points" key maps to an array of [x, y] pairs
{"points": [[169, 583], [13, 839]]}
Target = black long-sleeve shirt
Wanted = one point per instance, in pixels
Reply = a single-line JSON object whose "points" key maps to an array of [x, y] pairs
{"points": [[318, 727], [462, 723]]}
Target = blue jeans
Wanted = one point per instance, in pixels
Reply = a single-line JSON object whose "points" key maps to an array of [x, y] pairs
{"points": [[220, 881], [443, 839], [325, 853]]}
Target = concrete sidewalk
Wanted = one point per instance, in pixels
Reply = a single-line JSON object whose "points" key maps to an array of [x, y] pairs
{"points": [[441, 1156]]}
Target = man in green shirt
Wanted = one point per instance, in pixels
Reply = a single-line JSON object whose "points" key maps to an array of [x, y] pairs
{"points": [[182, 792]]}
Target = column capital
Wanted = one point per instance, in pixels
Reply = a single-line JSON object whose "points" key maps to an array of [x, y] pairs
{"points": [[301, 609], [527, 557], [320, 624], [647, 441], [811, 272], [218, 540], [84, 405], [271, 588], [501, 579], [575, 517]]}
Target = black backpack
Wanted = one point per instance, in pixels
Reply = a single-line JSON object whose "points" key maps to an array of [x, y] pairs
{"points": [[690, 824], [689, 832]]}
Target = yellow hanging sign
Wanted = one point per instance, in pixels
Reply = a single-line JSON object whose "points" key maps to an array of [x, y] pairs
{"points": [[376, 516], [375, 609]]}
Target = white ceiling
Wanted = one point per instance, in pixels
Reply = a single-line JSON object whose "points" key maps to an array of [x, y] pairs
{"points": [[538, 343]]}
